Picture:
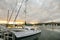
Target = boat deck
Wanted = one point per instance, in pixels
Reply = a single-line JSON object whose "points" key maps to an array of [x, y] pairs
{"points": [[26, 33]]}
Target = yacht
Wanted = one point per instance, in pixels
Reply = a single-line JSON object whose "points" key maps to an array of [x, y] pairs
{"points": [[17, 33]]}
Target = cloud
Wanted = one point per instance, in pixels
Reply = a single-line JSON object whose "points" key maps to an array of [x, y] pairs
{"points": [[38, 10]]}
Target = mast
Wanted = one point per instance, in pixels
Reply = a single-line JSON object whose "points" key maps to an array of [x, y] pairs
{"points": [[12, 12], [7, 18], [25, 11], [18, 11]]}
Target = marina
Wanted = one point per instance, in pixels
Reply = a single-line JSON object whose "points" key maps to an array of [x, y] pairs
{"points": [[42, 34], [29, 20]]}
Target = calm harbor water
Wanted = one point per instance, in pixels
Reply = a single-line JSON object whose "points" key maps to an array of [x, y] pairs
{"points": [[47, 33]]}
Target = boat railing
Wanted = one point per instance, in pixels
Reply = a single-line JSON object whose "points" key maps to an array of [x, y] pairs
{"points": [[1, 35], [9, 36], [6, 35]]}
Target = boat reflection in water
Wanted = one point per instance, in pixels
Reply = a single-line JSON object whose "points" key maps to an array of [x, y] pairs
{"points": [[25, 33]]}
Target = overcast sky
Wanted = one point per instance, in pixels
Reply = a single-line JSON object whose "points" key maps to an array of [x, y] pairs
{"points": [[37, 10]]}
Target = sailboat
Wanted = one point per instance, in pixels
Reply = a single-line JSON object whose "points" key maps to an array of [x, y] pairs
{"points": [[24, 32]]}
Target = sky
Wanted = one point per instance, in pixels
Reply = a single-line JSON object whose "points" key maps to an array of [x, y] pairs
{"points": [[37, 10]]}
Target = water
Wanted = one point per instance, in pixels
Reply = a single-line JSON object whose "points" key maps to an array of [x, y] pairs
{"points": [[45, 34]]}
